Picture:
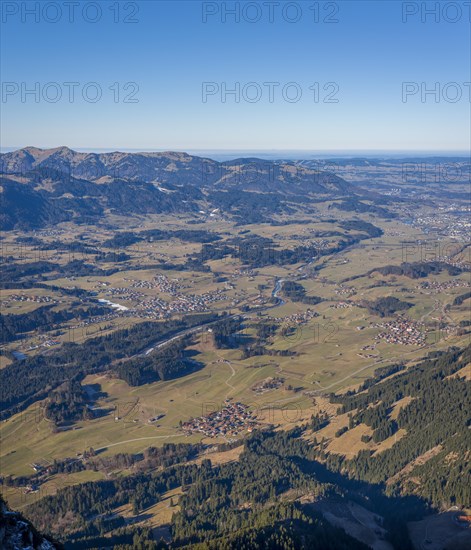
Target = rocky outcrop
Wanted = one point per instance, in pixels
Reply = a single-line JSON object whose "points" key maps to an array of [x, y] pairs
{"points": [[16, 533]]}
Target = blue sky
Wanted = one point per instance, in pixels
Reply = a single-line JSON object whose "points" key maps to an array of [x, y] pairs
{"points": [[357, 52]]}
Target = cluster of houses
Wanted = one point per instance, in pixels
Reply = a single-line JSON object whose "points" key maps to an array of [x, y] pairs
{"points": [[162, 284], [451, 221], [402, 331], [341, 305], [445, 285], [233, 419], [345, 291], [26, 298], [308, 242], [299, 318], [98, 319], [185, 303], [155, 307], [244, 272], [268, 384], [46, 344], [125, 292], [48, 233]]}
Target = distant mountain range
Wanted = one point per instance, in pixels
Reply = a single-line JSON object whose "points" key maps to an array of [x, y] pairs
{"points": [[48, 186]]}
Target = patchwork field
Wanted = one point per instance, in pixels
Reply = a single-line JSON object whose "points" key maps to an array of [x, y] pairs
{"points": [[331, 346]]}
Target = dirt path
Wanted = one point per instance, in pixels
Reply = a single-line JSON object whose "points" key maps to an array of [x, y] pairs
{"points": [[233, 373]]}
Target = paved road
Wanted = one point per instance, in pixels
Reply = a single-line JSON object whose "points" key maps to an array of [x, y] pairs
{"points": [[199, 328]]}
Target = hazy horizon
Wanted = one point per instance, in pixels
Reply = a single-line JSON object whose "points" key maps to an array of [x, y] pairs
{"points": [[267, 154]]}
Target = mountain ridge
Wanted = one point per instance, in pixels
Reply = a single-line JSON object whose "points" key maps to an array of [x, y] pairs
{"points": [[114, 163], [47, 186]]}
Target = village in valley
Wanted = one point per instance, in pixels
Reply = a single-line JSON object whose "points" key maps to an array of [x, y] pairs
{"points": [[232, 420]]}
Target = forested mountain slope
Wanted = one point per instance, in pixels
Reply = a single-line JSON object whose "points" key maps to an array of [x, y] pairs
{"points": [[266, 498]]}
